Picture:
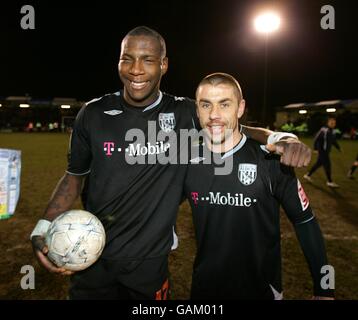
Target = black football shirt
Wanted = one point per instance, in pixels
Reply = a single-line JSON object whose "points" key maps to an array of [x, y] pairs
{"points": [[135, 197], [237, 221]]}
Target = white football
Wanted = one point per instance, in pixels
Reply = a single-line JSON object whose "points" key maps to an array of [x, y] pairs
{"points": [[75, 240]]}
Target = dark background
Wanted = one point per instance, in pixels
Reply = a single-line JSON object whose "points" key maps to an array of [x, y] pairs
{"points": [[74, 49]]}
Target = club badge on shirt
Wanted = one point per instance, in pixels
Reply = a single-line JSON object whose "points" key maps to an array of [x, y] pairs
{"points": [[113, 112], [247, 173], [167, 121]]}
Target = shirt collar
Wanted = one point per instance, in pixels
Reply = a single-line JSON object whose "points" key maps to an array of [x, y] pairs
{"points": [[155, 103], [236, 148]]}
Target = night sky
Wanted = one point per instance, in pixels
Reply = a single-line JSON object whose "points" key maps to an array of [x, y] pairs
{"points": [[74, 49]]}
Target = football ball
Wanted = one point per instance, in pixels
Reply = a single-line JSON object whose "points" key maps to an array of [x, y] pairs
{"points": [[75, 240]]}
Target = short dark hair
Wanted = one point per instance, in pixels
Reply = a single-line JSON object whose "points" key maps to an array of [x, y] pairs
{"points": [[148, 32], [221, 78]]}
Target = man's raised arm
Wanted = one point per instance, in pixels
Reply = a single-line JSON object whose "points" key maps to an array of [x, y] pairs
{"points": [[294, 153]]}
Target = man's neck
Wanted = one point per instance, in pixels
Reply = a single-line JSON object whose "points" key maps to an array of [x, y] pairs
{"points": [[144, 104]]}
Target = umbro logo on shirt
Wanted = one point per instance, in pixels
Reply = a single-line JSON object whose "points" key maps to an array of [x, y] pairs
{"points": [[197, 160], [113, 112]]}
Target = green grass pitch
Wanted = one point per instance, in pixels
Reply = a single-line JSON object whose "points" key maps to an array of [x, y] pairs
{"points": [[44, 162]]}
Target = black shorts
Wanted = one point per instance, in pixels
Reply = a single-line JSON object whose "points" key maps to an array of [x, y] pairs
{"points": [[130, 280]]}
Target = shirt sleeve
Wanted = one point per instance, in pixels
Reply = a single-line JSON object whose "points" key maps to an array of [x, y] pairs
{"points": [[79, 153], [311, 241], [290, 193]]}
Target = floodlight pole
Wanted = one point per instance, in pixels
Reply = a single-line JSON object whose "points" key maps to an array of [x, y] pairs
{"points": [[265, 80]]}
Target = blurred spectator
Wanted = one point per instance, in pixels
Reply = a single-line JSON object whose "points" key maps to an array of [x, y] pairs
{"points": [[30, 127], [38, 126]]}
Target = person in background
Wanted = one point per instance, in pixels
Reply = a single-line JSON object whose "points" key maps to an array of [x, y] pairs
{"points": [[323, 141], [353, 168]]}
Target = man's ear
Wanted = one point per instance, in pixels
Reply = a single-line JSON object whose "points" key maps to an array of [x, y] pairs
{"points": [[241, 110], [164, 66]]}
